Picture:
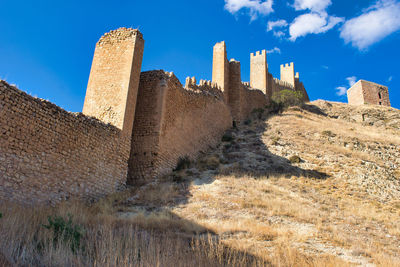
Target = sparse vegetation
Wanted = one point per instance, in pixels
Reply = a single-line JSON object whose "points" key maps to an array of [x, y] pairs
{"points": [[328, 133], [295, 159], [227, 137], [287, 98], [183, 163], [65, 231]]}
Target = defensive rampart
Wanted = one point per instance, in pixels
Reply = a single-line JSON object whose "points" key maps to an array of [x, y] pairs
{"points": [[48, 154], [142, 124]]}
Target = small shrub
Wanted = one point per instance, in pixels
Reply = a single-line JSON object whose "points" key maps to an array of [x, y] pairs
{"points": [[328, 133], [1, 215], [211, 162], [247, 122], [64, 231], [274, 140], [183, 163], [295, 159], [227, 137]]}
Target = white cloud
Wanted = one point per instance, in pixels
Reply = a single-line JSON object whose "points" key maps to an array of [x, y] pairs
{"points": [[276, 27], [341, 90], [325, 67], [313, 5], [279, 34], [312, 23], [274, 50], [351, 80], [377, 22], [255, 7], [390, 79], [276, 24]]}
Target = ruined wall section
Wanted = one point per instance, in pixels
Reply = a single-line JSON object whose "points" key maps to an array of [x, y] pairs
{"points": [[204, 86], [355, 94], [48, 154], [375, 94], [114, 78], [183, 123]]}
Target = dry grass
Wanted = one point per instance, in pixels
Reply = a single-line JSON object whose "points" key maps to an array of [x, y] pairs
{"points": [[223, 213], [110, 241]]}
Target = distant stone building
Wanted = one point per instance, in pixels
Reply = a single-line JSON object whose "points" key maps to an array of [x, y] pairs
{"points": [[365, 92]]}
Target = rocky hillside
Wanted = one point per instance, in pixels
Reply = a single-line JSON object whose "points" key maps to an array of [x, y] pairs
{"points": [[316, 185]]}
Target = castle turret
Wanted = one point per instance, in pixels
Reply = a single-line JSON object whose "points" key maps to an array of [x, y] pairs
{"points": [[220, 71], [259, 71], [114, 78], [287, 73]]}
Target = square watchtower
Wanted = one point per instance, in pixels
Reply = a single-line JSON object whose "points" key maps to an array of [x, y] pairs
{"points": [[365, 92]]}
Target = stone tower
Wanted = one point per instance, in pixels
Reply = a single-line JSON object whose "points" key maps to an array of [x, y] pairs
{"points": [[259, 71], [220, 70], [364, 92], [287, 74], [114, 78]]}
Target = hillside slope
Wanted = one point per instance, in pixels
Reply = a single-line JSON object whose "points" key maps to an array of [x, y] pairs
{"points": [[316, 185]]}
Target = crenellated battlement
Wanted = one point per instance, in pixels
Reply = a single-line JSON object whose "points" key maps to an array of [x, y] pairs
{"points": [[205, 86]]}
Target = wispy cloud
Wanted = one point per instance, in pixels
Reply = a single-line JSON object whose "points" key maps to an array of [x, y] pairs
{"points": [[276, 24], [274, 50], [277, 27], [374, 24], [341, 90], [351, 80], [390, 79], [325, 67], [254, 7]]}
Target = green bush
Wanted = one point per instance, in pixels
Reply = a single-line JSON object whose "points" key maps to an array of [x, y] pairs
{"points": [[227, 137], [1, 214], [183, 163], [65, 231], [247, 122], [295, 159], [287, 98]]}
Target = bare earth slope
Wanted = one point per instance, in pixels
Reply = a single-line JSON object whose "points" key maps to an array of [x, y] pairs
{"points": [[318, 185]]}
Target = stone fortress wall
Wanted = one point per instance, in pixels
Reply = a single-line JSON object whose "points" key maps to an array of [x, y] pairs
{"points": [[48, 154], [135, 125]]}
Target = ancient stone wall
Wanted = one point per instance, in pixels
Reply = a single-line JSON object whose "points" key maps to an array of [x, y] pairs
{"points": [[114, 78], [175, 122], [48, 154]]}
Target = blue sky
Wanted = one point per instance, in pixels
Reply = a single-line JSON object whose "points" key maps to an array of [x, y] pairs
{"points": [[46, 47]]}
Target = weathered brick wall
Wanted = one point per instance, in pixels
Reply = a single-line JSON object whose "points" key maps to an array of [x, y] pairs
{"points": [[375, 94], [365, 92], [48, 154], [175, 122]]}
